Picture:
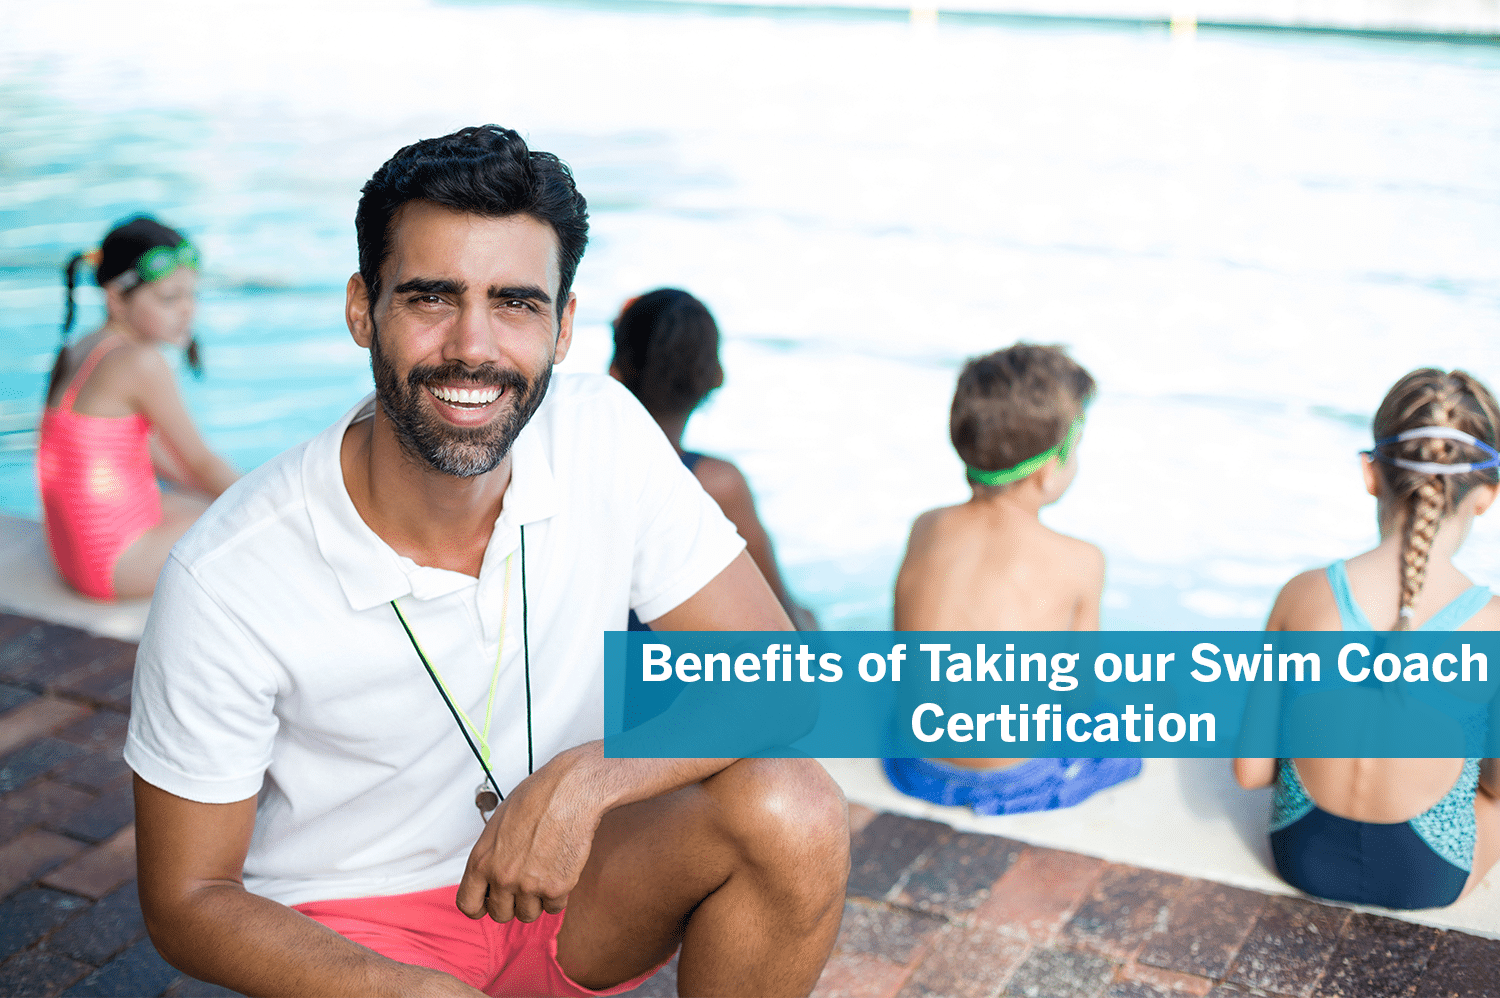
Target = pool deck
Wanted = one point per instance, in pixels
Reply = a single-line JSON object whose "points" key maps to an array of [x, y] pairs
{"points": [[1157, 887]]}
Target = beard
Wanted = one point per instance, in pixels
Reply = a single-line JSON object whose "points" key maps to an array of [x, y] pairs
{"points": [[463, 452]]}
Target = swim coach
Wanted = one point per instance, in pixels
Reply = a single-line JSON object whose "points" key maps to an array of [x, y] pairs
{"points": [[401, 619]]}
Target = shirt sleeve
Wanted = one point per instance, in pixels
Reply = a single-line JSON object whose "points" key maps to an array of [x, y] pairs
{"points": [[683, 539], [202, 714]]}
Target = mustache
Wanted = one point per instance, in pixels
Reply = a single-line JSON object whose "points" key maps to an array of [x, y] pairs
{"points": [[455, 373]]}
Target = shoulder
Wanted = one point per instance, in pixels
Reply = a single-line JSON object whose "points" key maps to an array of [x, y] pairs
{"points": [[1305, 603], [1487, 619], [254, 514], [135, 360], [590, 415], [722, 480], [1080, 562], [1085, 558]]}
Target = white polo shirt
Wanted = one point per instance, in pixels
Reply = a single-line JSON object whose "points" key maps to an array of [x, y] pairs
{"points": [[274, 665]]}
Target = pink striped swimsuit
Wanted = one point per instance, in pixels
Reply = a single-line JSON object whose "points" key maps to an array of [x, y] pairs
{"points": [[98, 485]]}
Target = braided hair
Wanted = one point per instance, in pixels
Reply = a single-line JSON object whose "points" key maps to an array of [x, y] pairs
{"points": [[1424, 398]]}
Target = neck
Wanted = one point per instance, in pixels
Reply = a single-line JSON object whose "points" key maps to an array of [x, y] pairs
{"points": [[673, 427], [1023, 499], [1452, 530], [435, 519]]}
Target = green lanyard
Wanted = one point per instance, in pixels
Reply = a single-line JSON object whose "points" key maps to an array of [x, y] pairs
{"points": [[465, 726]]}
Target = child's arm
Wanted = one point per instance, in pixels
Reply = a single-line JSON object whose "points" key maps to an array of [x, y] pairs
{"points": [[903, 604], [153, 393], [1091, 571], [1253, 774], [728, 487], [1301, 602]]}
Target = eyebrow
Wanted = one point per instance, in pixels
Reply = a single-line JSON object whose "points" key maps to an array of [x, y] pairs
{"points": [[430, 285], [525, 292]]}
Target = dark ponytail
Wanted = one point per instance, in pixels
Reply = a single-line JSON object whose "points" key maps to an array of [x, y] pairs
{"points": [[70, 311]]}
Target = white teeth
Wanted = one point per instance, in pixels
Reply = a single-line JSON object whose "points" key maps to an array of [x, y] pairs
{"points": [[466, 396]]}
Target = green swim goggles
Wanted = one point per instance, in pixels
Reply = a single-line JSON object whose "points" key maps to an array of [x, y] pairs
{"points": [[1059, 450], [159, 261]]}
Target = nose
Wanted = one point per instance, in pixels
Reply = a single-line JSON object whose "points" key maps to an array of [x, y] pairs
{"points": [[471, 336]]}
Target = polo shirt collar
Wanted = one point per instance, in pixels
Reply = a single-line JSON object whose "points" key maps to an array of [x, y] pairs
{"points": [[369, 571]]}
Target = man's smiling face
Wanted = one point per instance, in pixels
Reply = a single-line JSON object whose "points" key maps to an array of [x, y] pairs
{"points": [[465, 333]]}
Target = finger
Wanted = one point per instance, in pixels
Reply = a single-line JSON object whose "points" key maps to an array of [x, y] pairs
{"points": [[554, 905], [501, 906], [472, 894], [528, 907]]}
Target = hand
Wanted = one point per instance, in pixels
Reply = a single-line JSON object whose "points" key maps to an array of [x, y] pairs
{"points": [[534, 847]]}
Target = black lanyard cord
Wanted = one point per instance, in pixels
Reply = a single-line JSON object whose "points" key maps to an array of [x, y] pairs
{"points": [[526, 659], [526, 653], [462, 728]]}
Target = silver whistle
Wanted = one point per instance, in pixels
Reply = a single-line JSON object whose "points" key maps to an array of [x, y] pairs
{"points": [[485, 799]]}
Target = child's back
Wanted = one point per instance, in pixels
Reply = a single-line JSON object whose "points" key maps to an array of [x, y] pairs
{"points": [[1404, 833], [990, 565]]}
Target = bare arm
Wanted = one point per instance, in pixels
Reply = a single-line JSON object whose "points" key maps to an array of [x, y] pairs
{"points": [[1255, 773], [1086, 616], [180, 452], [190, 858], [724, 482], [534, 847]]}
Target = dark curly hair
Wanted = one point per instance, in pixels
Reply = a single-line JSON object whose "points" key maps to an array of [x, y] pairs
{"points": [[486, 170]]}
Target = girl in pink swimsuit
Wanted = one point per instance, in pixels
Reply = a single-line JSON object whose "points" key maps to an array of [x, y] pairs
{"points": [[114, 421]]}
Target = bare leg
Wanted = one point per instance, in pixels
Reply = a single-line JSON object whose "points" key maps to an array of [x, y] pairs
{"points": [[1487, 837], [984, 763], [746, 869], [138, 565]]}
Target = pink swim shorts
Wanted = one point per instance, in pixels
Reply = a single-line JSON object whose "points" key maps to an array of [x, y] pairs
{"points": [[428, 930]]}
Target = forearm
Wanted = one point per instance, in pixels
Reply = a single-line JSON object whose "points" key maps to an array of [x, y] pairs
{"points": [[610, 783], [228, 936], [211, 475]]}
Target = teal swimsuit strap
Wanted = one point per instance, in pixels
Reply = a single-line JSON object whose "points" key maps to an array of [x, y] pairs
{"points": [[1351, 617], [1449, 618], [1457, 614]]}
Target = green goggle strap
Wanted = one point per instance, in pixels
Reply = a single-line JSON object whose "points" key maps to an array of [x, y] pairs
{"points": [[1005, 476], [159, 261]]}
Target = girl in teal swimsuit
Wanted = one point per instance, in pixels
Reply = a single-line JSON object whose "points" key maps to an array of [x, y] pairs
{"points": [[1401, 833]]}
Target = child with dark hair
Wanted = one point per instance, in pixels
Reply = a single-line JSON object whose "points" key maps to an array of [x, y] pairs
{"points": [[990, 565], [114, 420], [667, 354], [1402, 833]]}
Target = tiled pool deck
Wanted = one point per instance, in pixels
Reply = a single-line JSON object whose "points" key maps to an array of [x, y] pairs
{"points": [[930, 911]]}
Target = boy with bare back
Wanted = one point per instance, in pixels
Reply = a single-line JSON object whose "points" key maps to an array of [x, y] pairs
{"points": [[990, 565]]}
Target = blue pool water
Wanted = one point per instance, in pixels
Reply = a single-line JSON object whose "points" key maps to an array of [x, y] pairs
{"points": [[1246, 237]]}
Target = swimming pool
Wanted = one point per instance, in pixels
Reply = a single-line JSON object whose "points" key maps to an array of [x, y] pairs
{"points": [[1246, 237]]}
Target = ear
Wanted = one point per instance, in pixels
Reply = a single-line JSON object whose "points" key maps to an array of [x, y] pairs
{"points": [[1484, 498], [565, 329], [357, 311], [614, 372], [1045, 477], [1371, 473], [114, 299]]}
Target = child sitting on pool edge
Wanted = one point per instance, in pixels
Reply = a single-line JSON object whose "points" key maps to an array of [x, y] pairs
{"points": [[989, 564]]}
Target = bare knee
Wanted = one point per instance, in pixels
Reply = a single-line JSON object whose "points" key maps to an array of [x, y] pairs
{"points": [[785, 814]]}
